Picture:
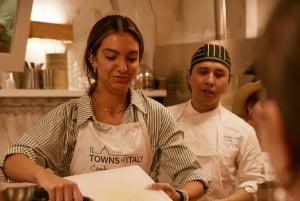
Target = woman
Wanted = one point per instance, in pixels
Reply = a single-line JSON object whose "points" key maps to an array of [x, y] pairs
{"points": [[110, 120], [249, 104], [279, 70]]}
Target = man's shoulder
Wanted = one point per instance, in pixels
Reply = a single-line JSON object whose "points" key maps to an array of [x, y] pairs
{"points": [[177, 108], [234, 121]]}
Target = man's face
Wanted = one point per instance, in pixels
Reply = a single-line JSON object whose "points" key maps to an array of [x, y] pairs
{"points": [[208, 81]]}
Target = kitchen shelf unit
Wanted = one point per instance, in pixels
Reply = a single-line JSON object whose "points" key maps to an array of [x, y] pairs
{"points": [[62, 93]]}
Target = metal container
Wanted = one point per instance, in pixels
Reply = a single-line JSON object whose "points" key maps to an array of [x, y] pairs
{"points": [[31, 79], [18, 191], [144, 78], [46, 78]]}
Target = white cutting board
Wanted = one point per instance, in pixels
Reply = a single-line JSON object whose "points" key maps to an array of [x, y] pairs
{"points": [[125, 184]]}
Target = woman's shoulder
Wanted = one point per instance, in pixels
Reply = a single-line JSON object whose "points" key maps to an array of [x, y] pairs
{"points": [[150, 106], [140, 97], [69, 104], [232, 116], [62, 112]]}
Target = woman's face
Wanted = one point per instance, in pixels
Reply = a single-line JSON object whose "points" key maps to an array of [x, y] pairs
{"points": [[208, 81], [255, 112], [117, 62], [255, 109], [273, 137]]}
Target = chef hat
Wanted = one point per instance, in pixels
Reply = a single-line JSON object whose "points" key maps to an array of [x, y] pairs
{"points": [[211, 52]]}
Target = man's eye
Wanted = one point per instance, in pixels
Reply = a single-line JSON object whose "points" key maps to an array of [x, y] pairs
{"points": [[219, 74], [202, 72]]}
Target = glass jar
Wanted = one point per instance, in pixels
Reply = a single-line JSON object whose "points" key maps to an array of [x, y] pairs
{"points": [[144, 78]]}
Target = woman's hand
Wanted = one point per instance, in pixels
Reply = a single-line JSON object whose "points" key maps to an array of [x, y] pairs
{"points": [[59, 188], [20, 168], [167, 188]]}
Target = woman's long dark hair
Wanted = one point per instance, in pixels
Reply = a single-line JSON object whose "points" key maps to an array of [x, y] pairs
{"points": [[279, 70]]}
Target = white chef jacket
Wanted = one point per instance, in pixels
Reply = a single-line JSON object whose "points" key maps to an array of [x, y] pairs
{"points": [[225, 145]]}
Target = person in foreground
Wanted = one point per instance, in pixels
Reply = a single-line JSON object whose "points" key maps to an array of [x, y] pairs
{"points": [[279, 70], [225, 145], [110, 121]]}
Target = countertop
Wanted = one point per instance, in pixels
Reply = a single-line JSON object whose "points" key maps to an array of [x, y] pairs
{"points": [[59, 93]]}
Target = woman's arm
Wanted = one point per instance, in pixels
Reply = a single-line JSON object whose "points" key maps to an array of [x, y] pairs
{"points": [[193, 190], [20, 168]]}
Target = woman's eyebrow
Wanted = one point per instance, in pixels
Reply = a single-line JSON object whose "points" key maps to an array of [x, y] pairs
{"points": [[134, 52], [110, 50], [115, 51]]}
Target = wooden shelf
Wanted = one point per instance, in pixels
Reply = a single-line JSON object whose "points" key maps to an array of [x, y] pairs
{"points": [[61, 93], [51, 31]]}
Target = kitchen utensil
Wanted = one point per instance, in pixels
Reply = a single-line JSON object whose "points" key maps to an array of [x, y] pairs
{"points": [[26, 192], [31, 78], [41, 194], [17, 191], [46, 78]]}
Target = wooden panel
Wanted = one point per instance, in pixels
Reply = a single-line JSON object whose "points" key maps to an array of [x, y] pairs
{"points": [[51, 31]]}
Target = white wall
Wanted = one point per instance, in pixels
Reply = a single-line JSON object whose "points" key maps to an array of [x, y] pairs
{"points": [[162, 22], [83, 15]]}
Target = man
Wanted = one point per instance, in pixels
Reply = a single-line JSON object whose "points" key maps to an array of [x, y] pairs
{"points": [[224, 144]]}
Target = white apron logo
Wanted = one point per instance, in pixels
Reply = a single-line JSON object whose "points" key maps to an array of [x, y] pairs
{"points": [[102, 157]]}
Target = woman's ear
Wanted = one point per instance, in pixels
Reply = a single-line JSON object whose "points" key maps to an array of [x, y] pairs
{"points": [[92, 59], [276, 143]]}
